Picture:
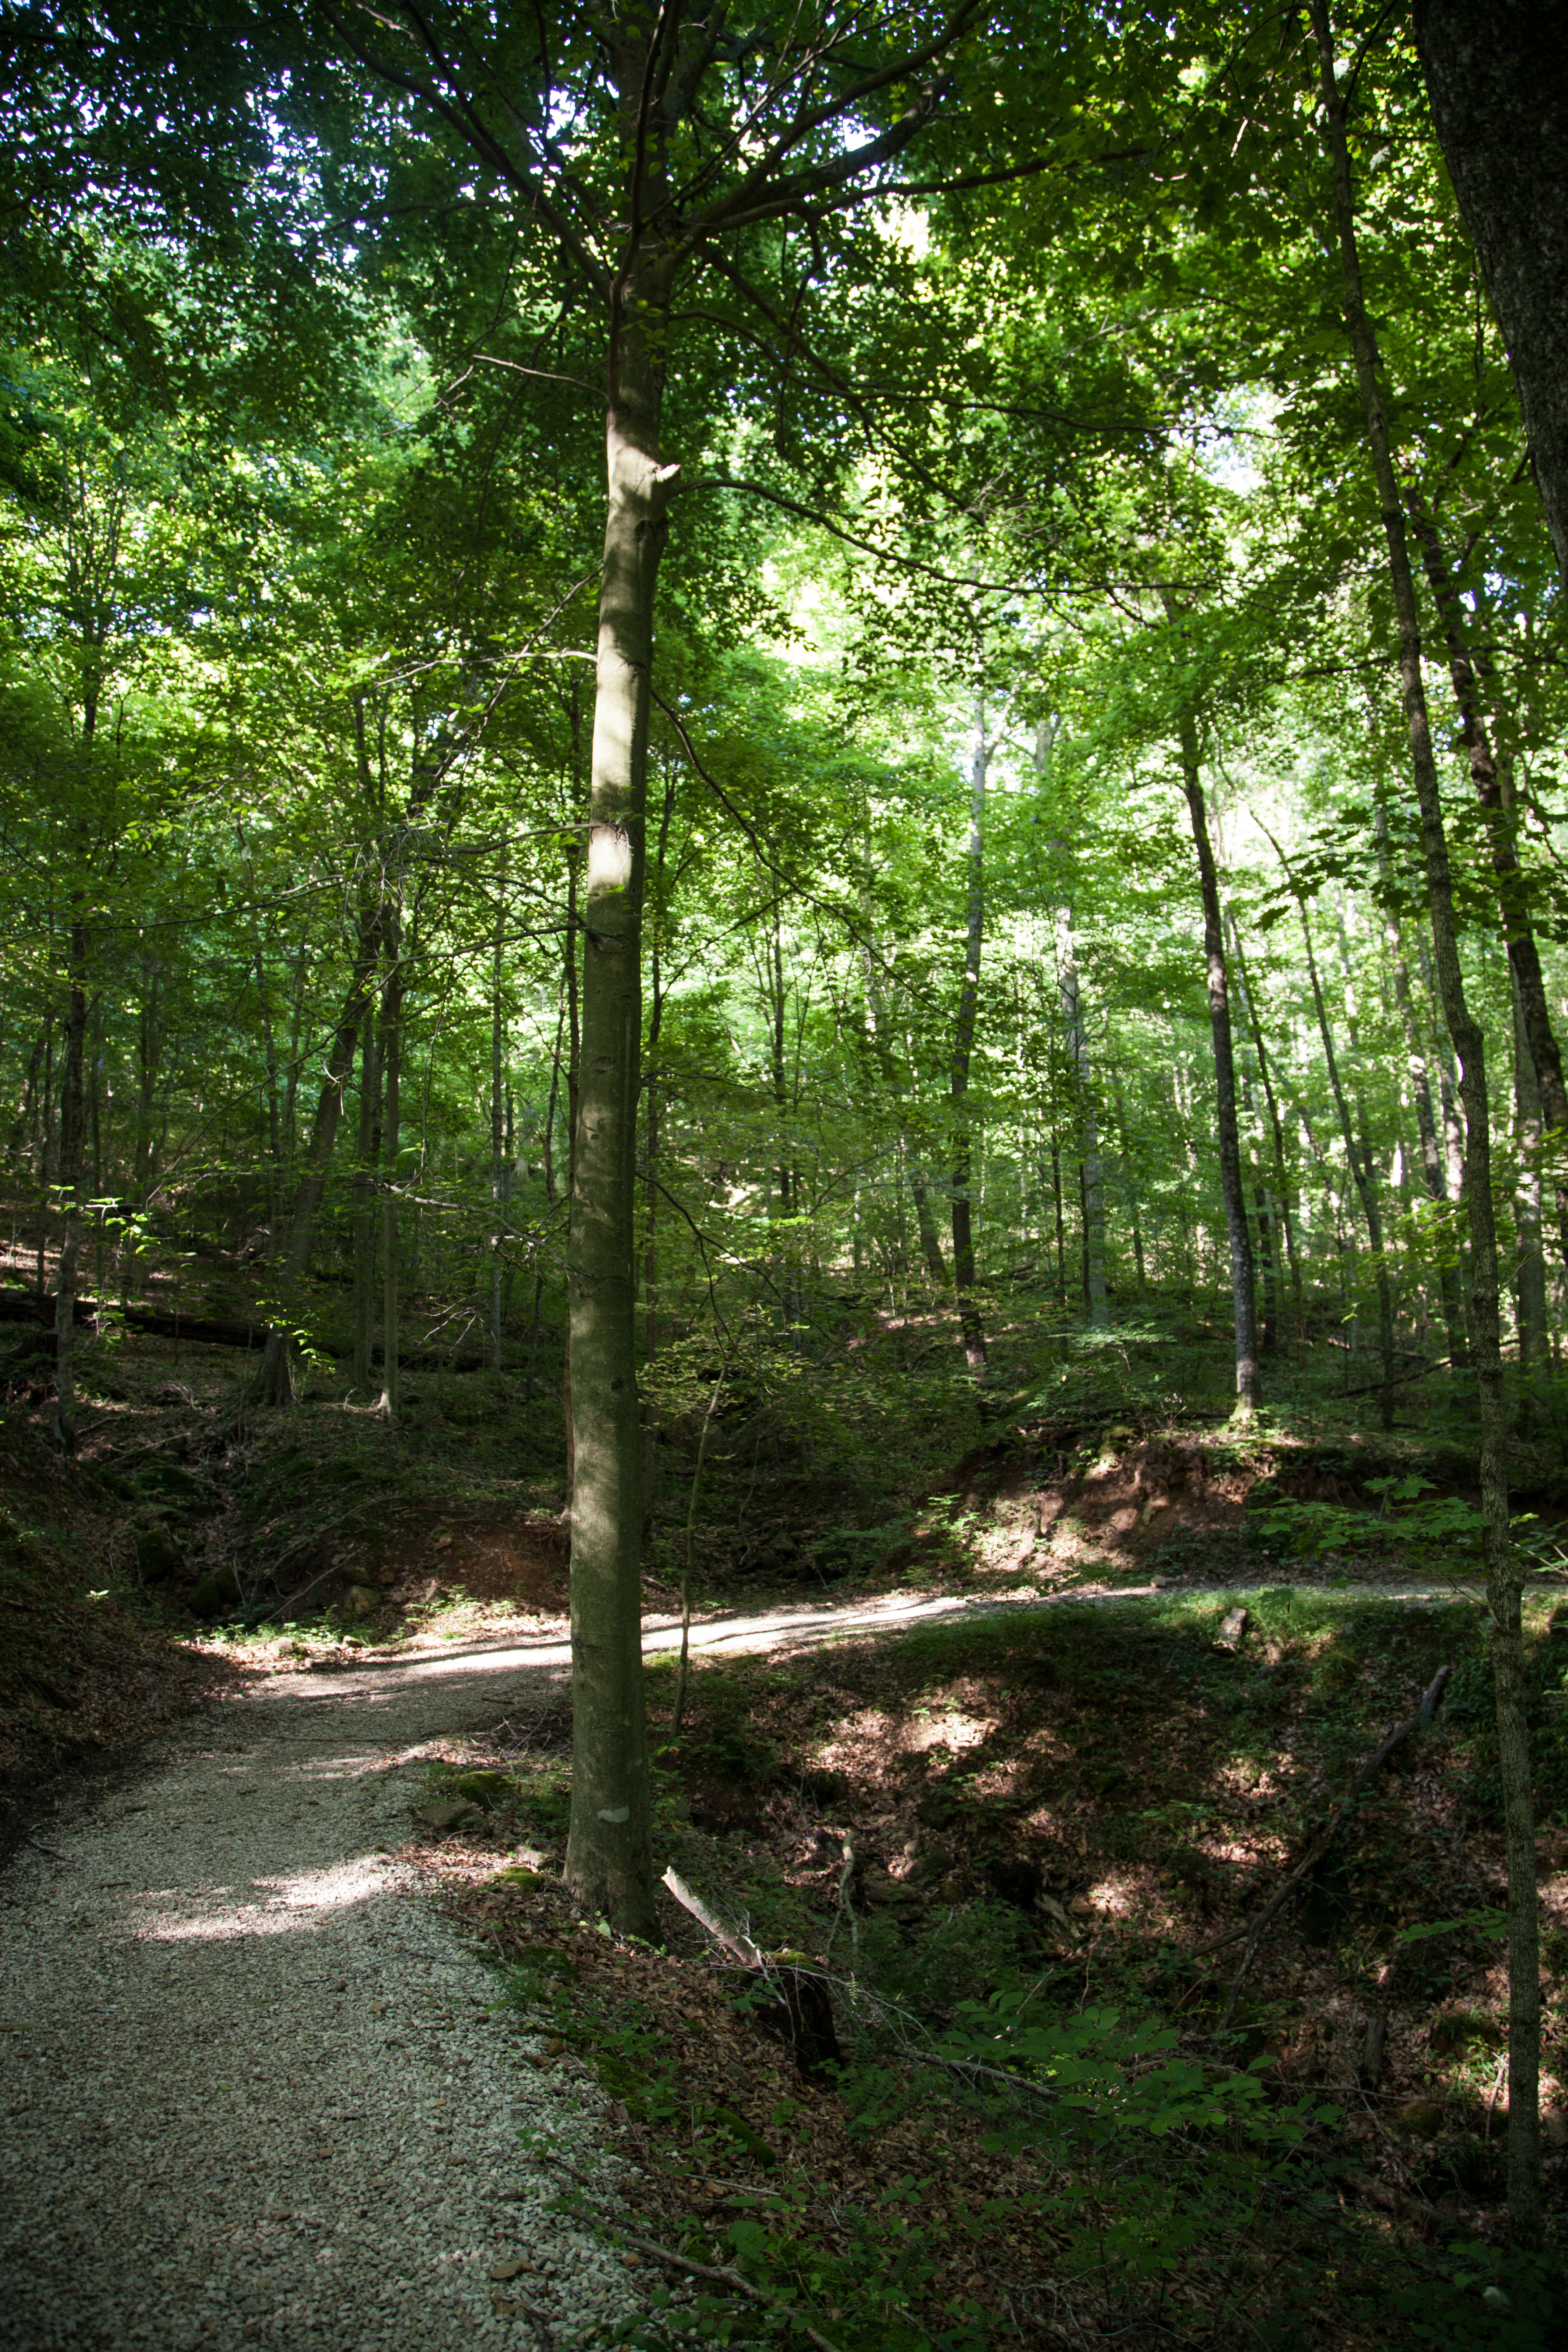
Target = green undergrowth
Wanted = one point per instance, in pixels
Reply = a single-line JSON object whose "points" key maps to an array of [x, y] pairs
{"points": [[1171, 2198], [1157, 2179]]}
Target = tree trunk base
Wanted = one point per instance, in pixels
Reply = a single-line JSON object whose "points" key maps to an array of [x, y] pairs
{"points": [[275, 1381]]}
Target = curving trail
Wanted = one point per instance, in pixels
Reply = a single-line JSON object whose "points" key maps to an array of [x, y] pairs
{"points": [[251, 2094]]}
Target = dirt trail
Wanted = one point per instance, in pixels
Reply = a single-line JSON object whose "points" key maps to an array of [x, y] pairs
{"points": [[250, 2092]]}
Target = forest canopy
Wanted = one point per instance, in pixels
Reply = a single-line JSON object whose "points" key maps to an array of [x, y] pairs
{"points": [[786, 720]]}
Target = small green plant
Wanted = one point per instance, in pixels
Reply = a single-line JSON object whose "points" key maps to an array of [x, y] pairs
{"points": [[1443, 1530]]}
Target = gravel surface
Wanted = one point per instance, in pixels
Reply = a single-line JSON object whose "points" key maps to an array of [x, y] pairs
{"points": [[251, 2091]]}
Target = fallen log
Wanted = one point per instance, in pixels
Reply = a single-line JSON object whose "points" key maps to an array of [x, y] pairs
{"points": [[38, 1307]]}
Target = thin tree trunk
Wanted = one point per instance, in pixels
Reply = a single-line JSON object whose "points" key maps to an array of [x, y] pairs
{"points": [[925, 1224], [499, 1186], [1268, 1264], [969, 1320], [609, 1851], [777, 1005], [390, 1019], [275, 1382], [148, 1049], [1529, 1278], [1363, 1171], [72, 1140], [1490, 774], [274, 1107], [551, 1189], [367, 1154], [25, 1122], [1128, 1182], [1504, 1581], [876, 1022], [73, 1111], [1060, 1220], [573, 1060], [1091, 1180], [291, 1083], [1434, 1175], [95, 1107], [45, 1116], [1243, 1276]]}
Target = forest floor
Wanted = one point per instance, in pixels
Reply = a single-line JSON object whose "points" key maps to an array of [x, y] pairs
{"points": [[994, 1737]]}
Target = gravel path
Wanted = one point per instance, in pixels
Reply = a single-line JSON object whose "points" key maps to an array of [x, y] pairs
{"points": [[251, 2093]]}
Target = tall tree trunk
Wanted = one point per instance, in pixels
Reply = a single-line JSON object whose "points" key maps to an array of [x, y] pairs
{"points": [[877, 1024], [1243, 1277], [1496, 73], [390, 1020], [275, 1382], [364, 1218], [968, 1321], [1363, 1175], [292, 1082], [1529, 1276], [1490, 774], [925, 1224], [1091, 1172], [551, 1188], [499, 1171], [148, 1055], [609, 1851], [1267, 1266], [72, 1140], [1362, 1166], [73, 1106], [24, 1123], [573, 1052], [1128, 1181], [1061, 1219], [1434, 1175], [46, 1116], [274, 1135], [1504, 1581], [777, 999]]}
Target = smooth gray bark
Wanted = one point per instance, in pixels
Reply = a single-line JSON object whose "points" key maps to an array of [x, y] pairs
{"points": [[609, 1852]]}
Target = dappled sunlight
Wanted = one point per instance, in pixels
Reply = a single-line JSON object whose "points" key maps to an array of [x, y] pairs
{"points": [[276, 1906], [953, 1730]]}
